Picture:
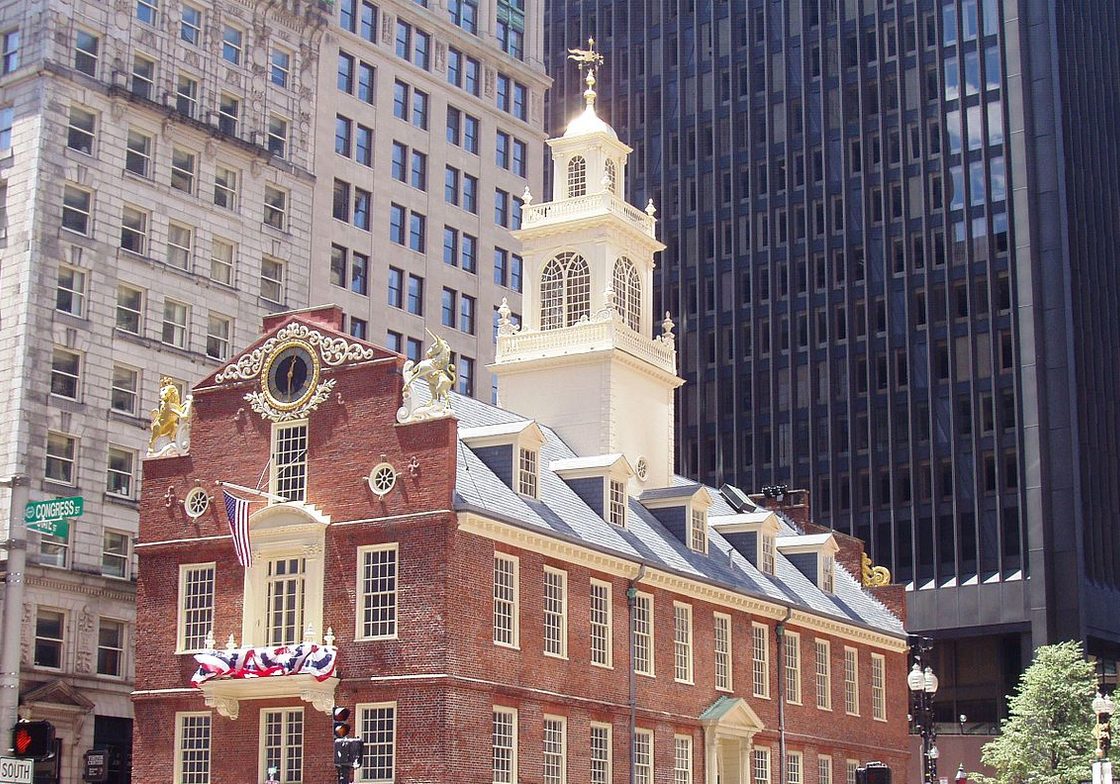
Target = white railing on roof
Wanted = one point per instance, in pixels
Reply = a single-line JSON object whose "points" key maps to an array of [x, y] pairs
{"points": [[588, 335], [588, 206]]}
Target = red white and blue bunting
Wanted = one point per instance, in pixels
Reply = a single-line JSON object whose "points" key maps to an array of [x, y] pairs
{"points": [[306, 658]]}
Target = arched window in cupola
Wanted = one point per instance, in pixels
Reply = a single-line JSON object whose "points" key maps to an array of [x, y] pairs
{"points": [[628, 292], [612, 177], [565, 291], [577, 177]]}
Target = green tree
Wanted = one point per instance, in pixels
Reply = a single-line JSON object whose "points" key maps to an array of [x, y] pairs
{"points": [[1048, 735]]}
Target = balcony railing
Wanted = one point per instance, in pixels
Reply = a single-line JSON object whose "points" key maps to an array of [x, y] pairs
{"points": [[596, 335], [589, 206]]}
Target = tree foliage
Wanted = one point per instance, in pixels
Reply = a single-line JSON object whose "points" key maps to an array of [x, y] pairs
{"points": [[1048, 735]]}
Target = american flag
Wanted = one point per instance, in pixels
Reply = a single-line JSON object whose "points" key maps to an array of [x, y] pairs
{"points": [[237, 512]]}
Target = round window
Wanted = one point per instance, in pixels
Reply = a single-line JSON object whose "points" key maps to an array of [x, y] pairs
{"points": [[196, 503], [381, 479], [642, 469]]}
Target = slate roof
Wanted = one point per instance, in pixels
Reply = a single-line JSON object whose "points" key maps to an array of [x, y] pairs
{"points": [[561, 512]]}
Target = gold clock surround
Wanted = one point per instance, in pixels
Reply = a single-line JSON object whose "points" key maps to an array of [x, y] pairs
{"points": [[311, 357]]}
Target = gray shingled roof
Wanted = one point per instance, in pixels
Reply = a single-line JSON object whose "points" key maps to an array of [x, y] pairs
{"points": [[561, 512]]}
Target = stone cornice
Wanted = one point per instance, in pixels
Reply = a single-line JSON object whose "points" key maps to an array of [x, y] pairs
{"points": [[93, 586]]}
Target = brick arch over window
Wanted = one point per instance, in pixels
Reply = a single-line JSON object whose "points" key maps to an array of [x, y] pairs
{"points": [[577, 177], [628, 293], [565, 291], [612, 177]]}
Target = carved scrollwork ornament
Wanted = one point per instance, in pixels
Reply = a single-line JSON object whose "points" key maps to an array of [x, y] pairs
{"points": [[332, 351], [873, 576]]}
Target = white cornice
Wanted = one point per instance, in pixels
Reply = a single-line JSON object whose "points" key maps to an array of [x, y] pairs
{"points": [[694, 588]]}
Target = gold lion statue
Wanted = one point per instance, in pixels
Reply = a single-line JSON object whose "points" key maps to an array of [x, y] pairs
{"points": [[171, 420]]}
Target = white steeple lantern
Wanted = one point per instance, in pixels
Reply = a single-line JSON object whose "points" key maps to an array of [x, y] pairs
{"points": [[586, 361]]}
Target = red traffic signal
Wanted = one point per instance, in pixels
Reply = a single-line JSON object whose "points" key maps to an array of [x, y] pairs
{"points": [[33, 739], [341, 720]]}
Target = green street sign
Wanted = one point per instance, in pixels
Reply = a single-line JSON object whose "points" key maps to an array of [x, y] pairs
{"points": [[53, 516]]}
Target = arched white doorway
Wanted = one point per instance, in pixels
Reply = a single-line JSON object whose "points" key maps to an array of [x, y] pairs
{"points": [[729, 725]]}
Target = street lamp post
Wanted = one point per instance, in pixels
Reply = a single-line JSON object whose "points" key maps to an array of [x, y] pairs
{"points": [[1103, 707], [923, 685]]}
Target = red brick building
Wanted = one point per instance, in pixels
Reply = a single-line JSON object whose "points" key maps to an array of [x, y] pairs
{"points": [[524, 597]]}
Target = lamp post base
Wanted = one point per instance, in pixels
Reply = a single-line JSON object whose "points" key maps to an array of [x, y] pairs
{"points": [[1102, 772]]}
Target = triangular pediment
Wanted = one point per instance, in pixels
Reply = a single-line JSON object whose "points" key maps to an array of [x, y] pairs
{"points": [[57, 693], [731, 716]]}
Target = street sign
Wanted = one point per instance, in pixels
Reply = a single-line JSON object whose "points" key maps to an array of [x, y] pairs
{"points": [[16, 771], [52, 516]]}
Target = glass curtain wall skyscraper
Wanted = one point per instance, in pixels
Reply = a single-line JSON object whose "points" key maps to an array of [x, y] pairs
{"points": [[890, 263]]}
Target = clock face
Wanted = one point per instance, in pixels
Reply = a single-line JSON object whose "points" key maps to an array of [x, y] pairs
{"points": [[290, 376]]}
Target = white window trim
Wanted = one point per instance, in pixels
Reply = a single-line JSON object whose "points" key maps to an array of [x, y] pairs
{"points": [[688, 760], [127, 555], [274, 465], [515, 612], [609, 664], [261, 729], [716, 619], [763, 753], [124, 649], [765, 659], [696, 514], [359, 711], [180, 614], [684, 646], [359, 606], [795, 755], [876, 713], [610, 748], [62, 647], [792, 641], [825, 761], [652, 671], [854, 681], [563, 746], [563, 652], [826, 646], [513, 756], [652, 754], [179, 716]]}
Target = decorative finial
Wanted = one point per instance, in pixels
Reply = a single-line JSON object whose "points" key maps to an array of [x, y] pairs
{"points": [[209, 643], [505, 325], [309, 632], [328, 640], [609, 299], [650, 209], [231, 644], [667, 326], [527, 197], [591, 60]]}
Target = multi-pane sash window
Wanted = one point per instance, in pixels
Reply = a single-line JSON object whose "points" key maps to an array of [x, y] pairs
{"points": [[760, 766], [698, 530], [682, 643], [114, 554], [281, 67], [600, 754], [192, 761], [878, 687], [277, 135], [123, 393], [272, 280], [110, 648], [760, 660], [70, 296], [186, 95], [61, 454], [793, 768], [377, 727], [289, 460], [175, 316], [79, 134], [130, 309], [229, 110], [138, 154], [134, 229], [767, 541], [49, 625], [65, 372], [221, 261], [377, 588], [527, 472], [118, 479], [179, 241], [791, 647], [504, 745], [143, 76], [642, 634], [601, 623], [275, 207], [851, 681], [218, 330], [283, 743], [86, 47], [682, 759], [505, 600], [54, 550], [850, 767], [183, 165], [616, 503], [722, 625], [555, 750], [232, 44], [225, 187], [824, 675], [285, 592], [76, 208], [555, 612], [190, 30], [196, 605], [824, 770], [643, 756]]}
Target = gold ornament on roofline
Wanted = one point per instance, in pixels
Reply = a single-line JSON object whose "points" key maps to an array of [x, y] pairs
{"points": [[591, 60], [171, 422], [873, 576]]}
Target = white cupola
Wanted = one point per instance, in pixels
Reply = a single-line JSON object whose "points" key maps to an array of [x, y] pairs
{"points": [[586, 361]]}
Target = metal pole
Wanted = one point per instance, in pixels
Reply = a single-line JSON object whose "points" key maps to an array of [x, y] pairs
{"points": [[13, 605]]}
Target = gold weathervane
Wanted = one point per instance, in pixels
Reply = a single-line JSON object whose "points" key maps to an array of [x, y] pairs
{"points": [[590, 60], [873, 576]]}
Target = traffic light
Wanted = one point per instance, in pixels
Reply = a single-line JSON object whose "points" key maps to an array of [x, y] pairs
{"points": [[348, 752], [873, 773], [341, 720], [33, 740]]}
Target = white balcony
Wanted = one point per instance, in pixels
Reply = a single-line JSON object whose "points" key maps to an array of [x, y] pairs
{"points": [[584, 337], [590, 206]]}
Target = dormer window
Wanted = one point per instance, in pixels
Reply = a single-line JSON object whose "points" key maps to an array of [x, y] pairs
{"points": [[814, 555], [612, 176], [698, 530], [616, 503], [628, 293], [565, 291], [753, 535], [289, 460], [828, 568], [766, 550], [527, 472], [577, 177]]}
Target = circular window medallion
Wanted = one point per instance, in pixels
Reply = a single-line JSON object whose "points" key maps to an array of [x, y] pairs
{"points": [[642, 469], [196, 503], [381, 479]]}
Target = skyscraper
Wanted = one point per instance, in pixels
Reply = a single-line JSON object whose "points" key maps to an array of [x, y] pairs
{"points": [[172, 173], [889, 232]]}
